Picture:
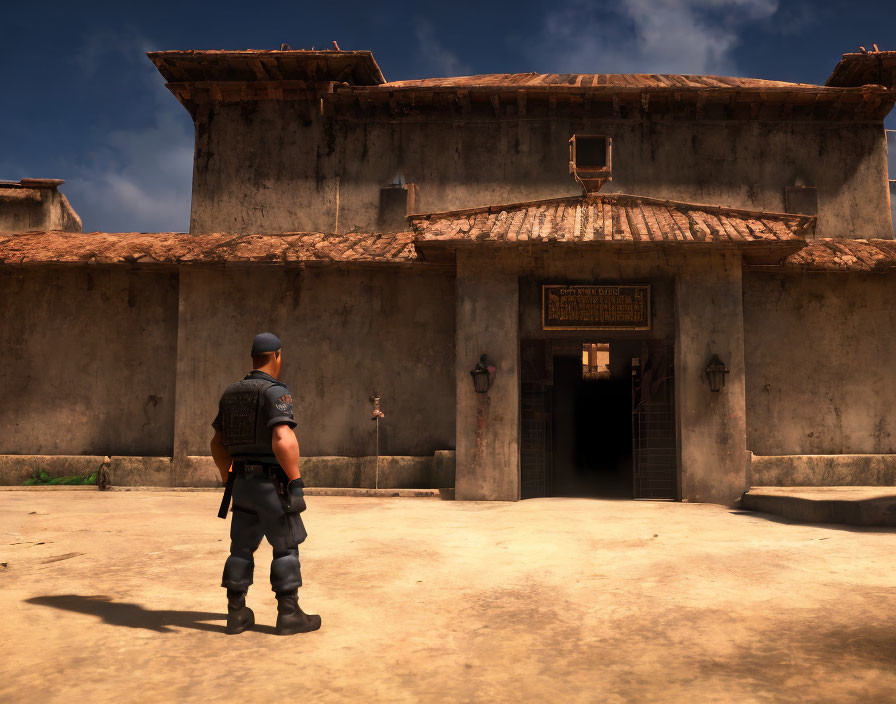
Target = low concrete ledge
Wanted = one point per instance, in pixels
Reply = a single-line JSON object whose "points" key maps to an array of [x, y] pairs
{"points": [[445, 494], [852, 505], [16, 469], [197, 471], [823, 470], [53, 487], [140, 471], [390, 472], [444, 466], [123, 471], [347, 491]]}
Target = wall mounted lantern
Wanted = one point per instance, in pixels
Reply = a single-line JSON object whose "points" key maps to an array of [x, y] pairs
{"points": [[483, 375], [715, 372]]}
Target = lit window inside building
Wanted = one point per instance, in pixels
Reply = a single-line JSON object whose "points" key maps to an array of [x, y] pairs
{"points": [[596, 360]]}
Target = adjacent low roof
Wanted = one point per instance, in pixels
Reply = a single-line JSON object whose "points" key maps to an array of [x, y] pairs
{"points": [[178, 247], [28, 190], [826, 254], [867, 68], [622, 219]]}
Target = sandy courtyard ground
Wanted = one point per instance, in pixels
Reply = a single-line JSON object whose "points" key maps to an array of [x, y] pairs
{"points": [[114, 597]]}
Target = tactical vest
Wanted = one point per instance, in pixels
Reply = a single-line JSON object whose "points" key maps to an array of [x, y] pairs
{"points": [[245, 432]]}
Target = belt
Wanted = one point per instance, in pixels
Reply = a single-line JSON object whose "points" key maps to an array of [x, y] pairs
{"points": [[247, 468]]}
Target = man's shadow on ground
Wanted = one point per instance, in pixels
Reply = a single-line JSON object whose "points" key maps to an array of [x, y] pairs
{"points": [[135, 616]]}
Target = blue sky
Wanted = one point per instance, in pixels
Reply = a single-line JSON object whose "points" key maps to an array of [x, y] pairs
{"points": [[83, 103]]}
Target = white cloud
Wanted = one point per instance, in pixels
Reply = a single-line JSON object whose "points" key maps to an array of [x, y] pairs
{"points": [[140, 178], [647, 36], [433, 58]]}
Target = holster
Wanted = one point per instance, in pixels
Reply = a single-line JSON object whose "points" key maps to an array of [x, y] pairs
{"points": [[282, 482], [295, 527], [228, 493]]}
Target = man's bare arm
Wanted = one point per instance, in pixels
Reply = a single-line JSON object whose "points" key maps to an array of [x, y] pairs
{"points": [[223, 460], [286, 449]]}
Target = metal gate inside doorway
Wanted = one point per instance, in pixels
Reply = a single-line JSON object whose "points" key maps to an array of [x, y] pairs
{"points": [[535, 419], [654, 448]]}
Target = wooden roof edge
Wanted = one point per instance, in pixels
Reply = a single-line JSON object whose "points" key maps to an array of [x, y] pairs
{"points": [[795, 88], [857, 68], [196, 55], [249, 53]]}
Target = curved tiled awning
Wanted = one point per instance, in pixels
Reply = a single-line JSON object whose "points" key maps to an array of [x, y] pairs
{"points": [[614, 218]]}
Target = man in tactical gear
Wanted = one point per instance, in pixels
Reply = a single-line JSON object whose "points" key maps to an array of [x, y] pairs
{"points": [[257, 453]]}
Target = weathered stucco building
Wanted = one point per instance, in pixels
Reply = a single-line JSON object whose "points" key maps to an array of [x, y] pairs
{"points": [[683, 285], [35, 204]]}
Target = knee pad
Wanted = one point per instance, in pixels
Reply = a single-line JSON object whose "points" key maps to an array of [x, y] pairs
{"points": [[238, 573], [285, 572]]}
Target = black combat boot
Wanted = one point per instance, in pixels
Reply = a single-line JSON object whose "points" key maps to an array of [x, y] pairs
{"points": [[239, 616], [290, 617]]}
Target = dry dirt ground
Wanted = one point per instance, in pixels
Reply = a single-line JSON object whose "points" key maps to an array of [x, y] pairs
{"points": [[114, 597]]}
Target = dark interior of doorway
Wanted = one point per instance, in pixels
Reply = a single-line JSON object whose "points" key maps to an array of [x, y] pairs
{"points": [[591, 426], [615, 438]]}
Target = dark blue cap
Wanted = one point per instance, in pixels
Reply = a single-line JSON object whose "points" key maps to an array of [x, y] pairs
{"points": [[265, 342]]}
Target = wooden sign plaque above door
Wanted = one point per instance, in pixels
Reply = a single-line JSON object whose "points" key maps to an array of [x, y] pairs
{"points": [[580, 307]]}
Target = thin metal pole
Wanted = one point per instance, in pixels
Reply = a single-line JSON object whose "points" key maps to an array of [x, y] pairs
{"points": [[377, 479]]}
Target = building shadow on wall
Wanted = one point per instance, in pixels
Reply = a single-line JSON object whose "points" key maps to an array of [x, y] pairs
{"points": [[130, 615]]}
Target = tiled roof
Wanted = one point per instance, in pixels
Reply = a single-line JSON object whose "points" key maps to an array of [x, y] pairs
{"points": [[593, 80], [613, 218], [346, 80], [823, 254], [828, 254], [175, 248]]}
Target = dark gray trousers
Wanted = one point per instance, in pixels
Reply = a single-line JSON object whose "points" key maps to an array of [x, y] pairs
{"points": [[258, 513]]}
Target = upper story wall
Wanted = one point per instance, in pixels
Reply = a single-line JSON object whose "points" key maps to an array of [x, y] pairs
{"points": [[278, 166]]}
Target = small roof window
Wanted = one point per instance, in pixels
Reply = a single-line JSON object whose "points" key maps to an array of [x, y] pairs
{"points": [[591, 160]]}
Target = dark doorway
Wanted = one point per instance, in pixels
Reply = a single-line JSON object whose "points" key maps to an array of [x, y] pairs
{"points": [[597, 419], [591, 426]]}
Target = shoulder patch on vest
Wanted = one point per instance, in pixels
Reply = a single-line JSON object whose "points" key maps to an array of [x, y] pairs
{"points": [[284, 404]]}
